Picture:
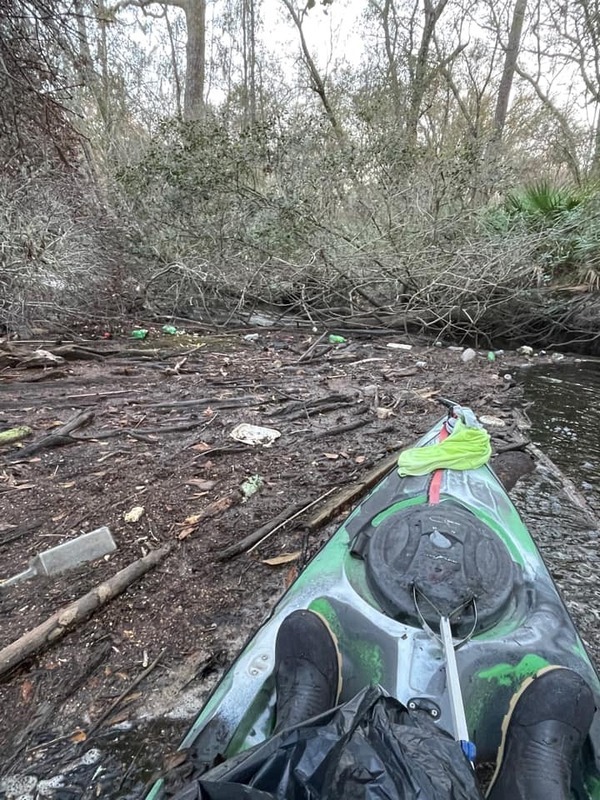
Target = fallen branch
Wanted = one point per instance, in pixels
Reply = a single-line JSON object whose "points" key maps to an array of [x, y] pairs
{"points": [[351, 493], [322, 409], [350, 426], [136, 682], [257, 535], [57, 438], [62, 621], [294, 516], [312, 348]]}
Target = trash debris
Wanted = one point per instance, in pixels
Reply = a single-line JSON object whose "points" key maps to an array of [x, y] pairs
{"points": [[384, 413], [507, 377], [134, 514], [557, 356], [491, 422], [468, 355], [139, 333], [254, 434], [398, 346], [491, 356], [251, 337], [421, 364], [251, 486], [65, 556], [525, 350], [170, 329], [335, 338], [13, 435], [46, 356]]}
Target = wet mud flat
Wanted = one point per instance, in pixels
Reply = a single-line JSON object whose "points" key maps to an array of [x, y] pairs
{"points": [[100, 710]]}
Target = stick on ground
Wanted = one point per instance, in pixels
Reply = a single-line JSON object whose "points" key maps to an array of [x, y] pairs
{"points": [[79, 610]]}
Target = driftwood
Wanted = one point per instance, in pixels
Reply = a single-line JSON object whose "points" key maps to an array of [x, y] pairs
{"points": [[79, 610], [58, 437], [351, 493]]}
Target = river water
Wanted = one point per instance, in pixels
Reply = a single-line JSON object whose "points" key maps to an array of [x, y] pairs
{"points": [[565, 414]]}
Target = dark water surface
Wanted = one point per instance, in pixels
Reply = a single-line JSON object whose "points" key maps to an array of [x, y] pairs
{"points": [[566, 419]]}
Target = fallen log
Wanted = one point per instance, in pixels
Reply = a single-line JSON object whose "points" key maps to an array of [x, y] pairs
{"points": [[62, 621]]}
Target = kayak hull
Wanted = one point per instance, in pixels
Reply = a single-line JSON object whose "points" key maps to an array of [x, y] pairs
{"points": [[520, 630]]}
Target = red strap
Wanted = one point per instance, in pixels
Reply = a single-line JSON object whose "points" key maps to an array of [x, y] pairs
{"points": [[435, 484]]}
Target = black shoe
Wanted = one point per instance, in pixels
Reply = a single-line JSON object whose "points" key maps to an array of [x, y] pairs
{"points": [[307, 669], [542, 735]]}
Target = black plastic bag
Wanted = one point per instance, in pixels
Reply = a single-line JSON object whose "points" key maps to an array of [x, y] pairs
{"points": [[371, 748]]}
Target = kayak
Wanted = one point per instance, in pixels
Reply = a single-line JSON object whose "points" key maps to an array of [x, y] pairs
{"points": [[448, 542]]}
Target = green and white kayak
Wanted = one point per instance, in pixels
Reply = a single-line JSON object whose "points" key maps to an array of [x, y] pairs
{"points": [[414, 548]]}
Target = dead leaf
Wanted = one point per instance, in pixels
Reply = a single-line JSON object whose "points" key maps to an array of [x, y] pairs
{"points": [[78, 736], [175, 760], [427, 394], [192, 519], [185, 532], [360, 459], [284, 558], [217, 507], [123, 716], [134, 514], [384, 413], [203, 485], [201, 447], [208, 412], [26, 691], [332, 456]]}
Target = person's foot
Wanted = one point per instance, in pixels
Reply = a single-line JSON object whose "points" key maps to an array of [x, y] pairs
{"points": [[542, 734], [307, 669]]}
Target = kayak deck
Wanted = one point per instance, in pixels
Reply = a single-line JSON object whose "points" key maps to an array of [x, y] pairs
{"points": [[521, 624]]}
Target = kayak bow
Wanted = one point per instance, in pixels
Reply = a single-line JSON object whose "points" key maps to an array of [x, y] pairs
{"points": [[455, 536]]}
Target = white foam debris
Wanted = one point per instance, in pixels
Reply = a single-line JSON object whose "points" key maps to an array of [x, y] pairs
{"points": [[46, 788], [16, 786]]}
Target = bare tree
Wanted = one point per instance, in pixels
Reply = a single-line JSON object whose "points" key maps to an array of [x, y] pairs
{"points": [[317, 81]]}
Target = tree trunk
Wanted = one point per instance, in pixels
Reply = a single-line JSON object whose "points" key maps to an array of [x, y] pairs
{"points": [[420, 80], [510, 64], [195, 70], [193, 99]]}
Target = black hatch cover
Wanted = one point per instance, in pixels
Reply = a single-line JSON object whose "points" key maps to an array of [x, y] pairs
{"points": [[449, 555]]}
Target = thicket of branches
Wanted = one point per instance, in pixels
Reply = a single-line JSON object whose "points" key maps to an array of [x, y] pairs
{"points": [[406, 191]]}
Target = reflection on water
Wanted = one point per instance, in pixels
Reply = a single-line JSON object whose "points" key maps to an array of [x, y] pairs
{"points": [[566, 418]]}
